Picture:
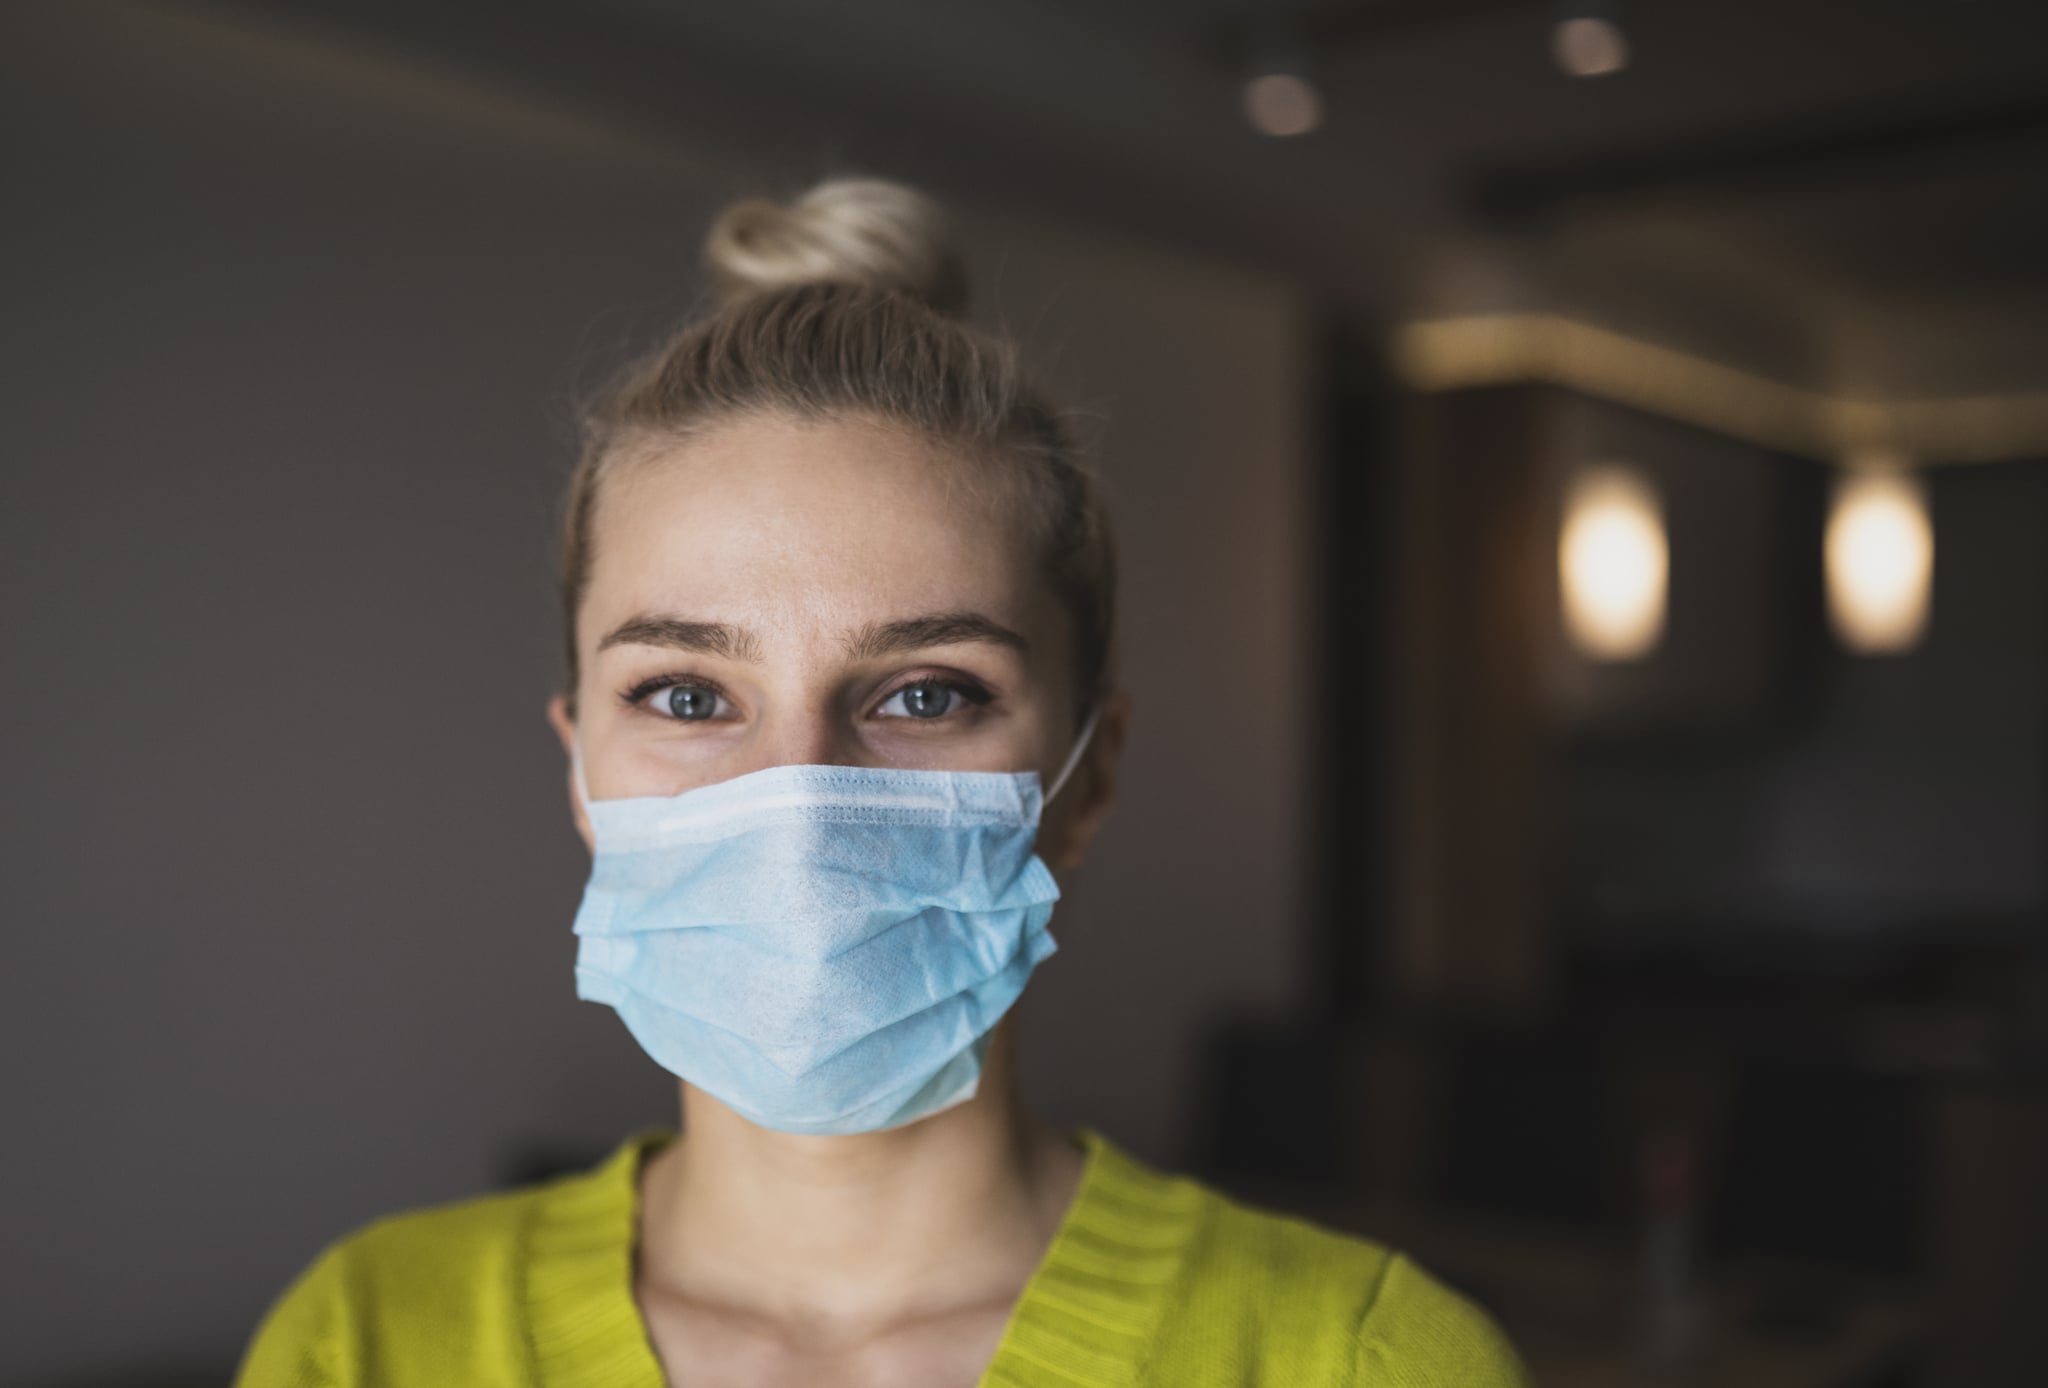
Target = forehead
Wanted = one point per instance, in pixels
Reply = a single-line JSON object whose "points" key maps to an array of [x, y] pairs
{"points": [[806, 526]]}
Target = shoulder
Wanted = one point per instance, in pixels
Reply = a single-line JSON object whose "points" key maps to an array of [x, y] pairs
{"points": [[1419, 1331], [440, 1260], [390, 1294], [428, 1294], [1314, 1305], [1367, 1305]]}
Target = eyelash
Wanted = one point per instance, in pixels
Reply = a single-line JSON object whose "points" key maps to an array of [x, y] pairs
{"points": [[974, 694], [635, 696]]}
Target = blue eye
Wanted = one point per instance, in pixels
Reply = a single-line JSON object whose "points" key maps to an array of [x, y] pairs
{"points": [[921, 701], [689, 703]]}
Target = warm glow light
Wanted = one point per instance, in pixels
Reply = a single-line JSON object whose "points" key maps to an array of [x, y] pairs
{"points": [[1880, 562], [1467, 351], [1282, 104], [1589, 46], [1613, 564]]}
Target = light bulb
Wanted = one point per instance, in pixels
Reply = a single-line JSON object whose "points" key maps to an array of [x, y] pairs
{"points": [[1880, 562], [1613, 564]]}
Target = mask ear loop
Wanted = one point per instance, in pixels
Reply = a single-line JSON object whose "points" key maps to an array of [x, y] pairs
{"points": [[1074, 757], [576, 771]]}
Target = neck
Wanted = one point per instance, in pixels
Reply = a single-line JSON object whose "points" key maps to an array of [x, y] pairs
{"points": [[949, 1211]]}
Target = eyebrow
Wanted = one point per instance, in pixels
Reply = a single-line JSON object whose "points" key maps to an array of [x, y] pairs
{"points": [[878, 639], [940, 629], [677, 633]]}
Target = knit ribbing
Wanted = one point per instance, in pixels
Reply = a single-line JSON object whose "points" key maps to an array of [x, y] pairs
{"points": [[1085, 1315], [583, 1324], [1092, 1307]]}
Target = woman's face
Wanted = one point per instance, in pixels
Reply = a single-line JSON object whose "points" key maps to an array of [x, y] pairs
{"points": [[779, 592]]}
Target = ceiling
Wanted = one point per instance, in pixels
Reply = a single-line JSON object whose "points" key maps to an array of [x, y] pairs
{"points": [[1847, 195]]}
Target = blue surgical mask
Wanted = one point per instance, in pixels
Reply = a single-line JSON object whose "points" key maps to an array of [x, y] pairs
{"points": [[824, 949]]}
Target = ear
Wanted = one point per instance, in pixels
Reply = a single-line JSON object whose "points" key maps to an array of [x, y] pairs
{"points": [[565, 728], [1082, 806]]}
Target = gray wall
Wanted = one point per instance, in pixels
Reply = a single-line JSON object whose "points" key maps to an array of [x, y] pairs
{"points": [[291, 332]]}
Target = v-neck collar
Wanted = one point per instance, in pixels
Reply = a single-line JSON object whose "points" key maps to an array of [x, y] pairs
{"points": [[1085, 1317], [1088, 1314]]}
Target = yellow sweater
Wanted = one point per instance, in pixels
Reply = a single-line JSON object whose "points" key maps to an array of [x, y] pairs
{"points": [[1150, 1280]]}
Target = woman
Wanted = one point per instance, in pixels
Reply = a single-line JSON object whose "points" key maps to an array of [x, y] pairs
{"points": [[837, 595]]}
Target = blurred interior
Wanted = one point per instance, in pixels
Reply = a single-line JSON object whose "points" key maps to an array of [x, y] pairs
{"points": [[1585, 507]]}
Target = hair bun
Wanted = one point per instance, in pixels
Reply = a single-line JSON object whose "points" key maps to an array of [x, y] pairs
{"points": [[843, 231]]}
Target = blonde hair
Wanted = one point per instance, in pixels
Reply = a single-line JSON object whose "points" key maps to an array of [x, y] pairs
{"points": [[848, 303], [844, 231]]}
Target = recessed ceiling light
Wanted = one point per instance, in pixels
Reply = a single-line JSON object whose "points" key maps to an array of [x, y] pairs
{"points": [[1587, 43], [1282, 104]]}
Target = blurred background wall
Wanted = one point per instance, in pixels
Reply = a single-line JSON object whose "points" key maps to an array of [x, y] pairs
{"points": [[1682, 999]]}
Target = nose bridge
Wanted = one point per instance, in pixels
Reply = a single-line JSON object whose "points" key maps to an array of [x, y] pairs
{"points": [[806, 726], [803, 738]]}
